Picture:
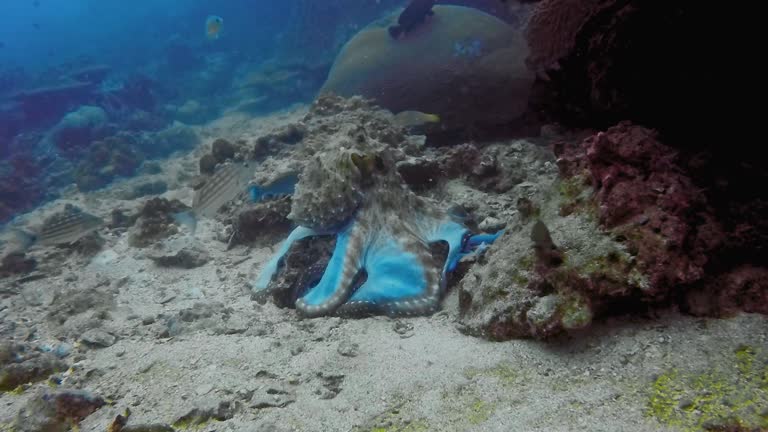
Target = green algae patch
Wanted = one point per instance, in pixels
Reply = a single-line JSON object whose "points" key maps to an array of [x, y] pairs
{"points": [[572, 187], [479, 412], [526, 262], [575, 195], [575, 311], [193, 422], [734, 395], [616, 267], [504, 372], [19, 390]]}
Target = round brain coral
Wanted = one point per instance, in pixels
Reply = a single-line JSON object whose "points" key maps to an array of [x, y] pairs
{"points": [[464, 65]]}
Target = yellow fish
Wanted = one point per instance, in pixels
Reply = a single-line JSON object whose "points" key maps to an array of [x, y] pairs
{"points": [[213, 26], [411, 118]]}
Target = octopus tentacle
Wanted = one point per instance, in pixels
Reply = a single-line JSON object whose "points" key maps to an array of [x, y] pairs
{"points": [[453, 233], [403, 279], [337, 281], [270, 268]]}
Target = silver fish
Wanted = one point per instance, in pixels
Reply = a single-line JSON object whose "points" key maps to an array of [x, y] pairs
{"points": [[223, 186]]}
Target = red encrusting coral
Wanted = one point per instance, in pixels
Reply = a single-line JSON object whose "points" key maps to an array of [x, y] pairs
{"points": [[645, 196]]}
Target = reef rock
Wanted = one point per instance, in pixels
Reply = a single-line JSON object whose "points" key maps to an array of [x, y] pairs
{"points": [[106, 159], [171, 139], [155, 222], [529, 287], [46, 103], [263, 220], [222, 150], [20, 364], [56, 411], [271, 143], [186, 258], [78, 128], [16, 263], [623, 228], [644, 195], [461, 64]]}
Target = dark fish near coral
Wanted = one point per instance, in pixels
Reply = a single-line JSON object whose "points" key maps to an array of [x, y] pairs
{"points": [[64, 227], [546, 251], [413, 16], [223, 186], [540, 235]]}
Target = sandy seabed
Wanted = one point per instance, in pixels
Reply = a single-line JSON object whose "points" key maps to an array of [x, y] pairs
{"points": [[194, 339]]}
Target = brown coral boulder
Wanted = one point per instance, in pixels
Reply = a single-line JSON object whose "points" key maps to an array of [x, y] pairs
{"points": [[156, 221]]}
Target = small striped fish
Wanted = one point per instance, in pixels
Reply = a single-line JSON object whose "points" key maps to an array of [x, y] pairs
{"points": [[64, 227], [68, 226], [223, 186]]}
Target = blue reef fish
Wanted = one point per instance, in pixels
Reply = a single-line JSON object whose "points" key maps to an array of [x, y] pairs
{"points": [[213, 25], [283, 186]]}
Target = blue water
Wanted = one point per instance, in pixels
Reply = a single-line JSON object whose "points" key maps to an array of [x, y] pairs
{"points": [[43, 33], [89, 88], [158, 66]]}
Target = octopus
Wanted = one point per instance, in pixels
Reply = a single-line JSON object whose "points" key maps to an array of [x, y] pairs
{"points": [[383, 260]]}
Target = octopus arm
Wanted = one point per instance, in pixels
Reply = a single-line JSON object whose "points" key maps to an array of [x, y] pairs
{"points": [[454, 234], [472, 243], [402, 279], [337, 282], [270, 268]]}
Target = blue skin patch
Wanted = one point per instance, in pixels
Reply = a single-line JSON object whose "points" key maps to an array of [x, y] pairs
{"points": [[394, 274], [282, 186], [473, 243]]}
